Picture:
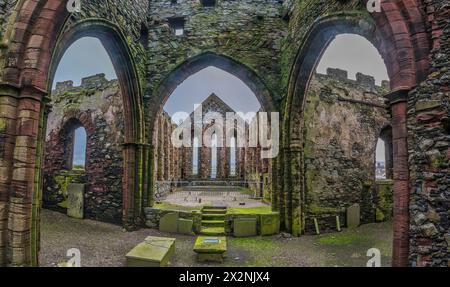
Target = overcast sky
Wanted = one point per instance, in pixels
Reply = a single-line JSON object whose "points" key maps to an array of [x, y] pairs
{"points": [[353, 53]]}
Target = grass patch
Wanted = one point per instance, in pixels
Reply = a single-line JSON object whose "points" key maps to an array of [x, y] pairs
{"points": [[251, 210], [342, 239], [165, 205], [63, 204], [254, 243]]}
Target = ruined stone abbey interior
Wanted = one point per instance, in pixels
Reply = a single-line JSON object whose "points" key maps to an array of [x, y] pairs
{"points": [[101, 148]]}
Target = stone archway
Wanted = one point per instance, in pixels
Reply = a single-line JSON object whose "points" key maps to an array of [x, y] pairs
{"points": [[32, 60], [405, 58], [192, 66]]}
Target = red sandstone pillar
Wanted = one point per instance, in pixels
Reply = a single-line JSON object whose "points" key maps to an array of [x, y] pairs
{"points": [[24, 194], [398, 103], [8, 122]]}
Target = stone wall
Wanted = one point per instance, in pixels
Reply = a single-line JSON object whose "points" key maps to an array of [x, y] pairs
{"points": [[6, 8], [343, 121], [153, 216], [248, 31], [429, 149], [97, 106]]}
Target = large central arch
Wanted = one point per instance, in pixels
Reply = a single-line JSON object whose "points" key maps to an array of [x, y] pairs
{"points": [[406, 62], [194, 65], [41, 33]]}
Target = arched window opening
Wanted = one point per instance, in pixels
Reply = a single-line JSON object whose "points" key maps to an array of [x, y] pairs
{"points": [[214, 156], [195, 148], [380, 162], [79, 149], [233, 157]]}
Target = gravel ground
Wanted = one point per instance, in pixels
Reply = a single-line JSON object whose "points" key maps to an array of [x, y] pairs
{"points": [[103, 244]]}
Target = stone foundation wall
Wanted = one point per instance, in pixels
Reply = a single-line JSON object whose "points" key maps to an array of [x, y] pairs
{"points": [[153, 216], [343, 121], [97, 106]]}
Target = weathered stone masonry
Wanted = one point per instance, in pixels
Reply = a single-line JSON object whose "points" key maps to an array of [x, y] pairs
{"points": [[343, 121], [429, 149], [95, 105]]}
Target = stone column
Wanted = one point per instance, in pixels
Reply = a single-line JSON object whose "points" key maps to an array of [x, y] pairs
{"points": [[25, 180], [160, 148], [398, 104], [166, 151], [8, 121]]}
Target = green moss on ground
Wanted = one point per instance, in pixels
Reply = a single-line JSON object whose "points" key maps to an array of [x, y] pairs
{"points": [[259, 243], [63, 204], [251, 210], [165, 205], [347, 238]]}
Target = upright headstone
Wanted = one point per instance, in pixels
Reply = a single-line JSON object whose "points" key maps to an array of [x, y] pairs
{"points": [[169, 223], [245, 227], [270, 223], [353, 215], [75, 200], [185, 226]]}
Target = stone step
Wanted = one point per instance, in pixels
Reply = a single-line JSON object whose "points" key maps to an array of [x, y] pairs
{"points": [[213, 223], [214, 211], [213, 217], [211, 188], [214, 207], [213, 231]]}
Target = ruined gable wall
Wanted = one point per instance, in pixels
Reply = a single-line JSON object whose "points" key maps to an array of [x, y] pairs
{"points": [[97, 105], [340, 143]]}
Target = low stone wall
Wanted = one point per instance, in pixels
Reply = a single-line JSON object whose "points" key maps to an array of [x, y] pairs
{"points": [[230, 218], [153, 216], [162, 190], [55, 194]]}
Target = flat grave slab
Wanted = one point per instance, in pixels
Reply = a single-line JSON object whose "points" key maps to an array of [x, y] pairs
{"points": [[153, 252], [209, 248]]}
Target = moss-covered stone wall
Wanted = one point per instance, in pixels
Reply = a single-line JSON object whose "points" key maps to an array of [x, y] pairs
{"points": [[343, 121], [96, 106], [248, 31]]}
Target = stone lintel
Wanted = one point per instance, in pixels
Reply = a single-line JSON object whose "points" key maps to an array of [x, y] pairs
{"points": [[398, 95]]}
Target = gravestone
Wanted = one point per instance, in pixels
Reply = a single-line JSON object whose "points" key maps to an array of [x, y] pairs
{"points": [[270, 223], [75, 200], [245, 227], [169, 223], [210, 248], [353, 216], [185, 226], [153, 252]]}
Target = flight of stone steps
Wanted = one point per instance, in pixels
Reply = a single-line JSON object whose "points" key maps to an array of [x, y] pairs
{"points": [[213, 220]]}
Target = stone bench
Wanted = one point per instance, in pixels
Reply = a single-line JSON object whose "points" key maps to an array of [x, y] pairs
{"points": [[153, 252], [210, 248]]}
